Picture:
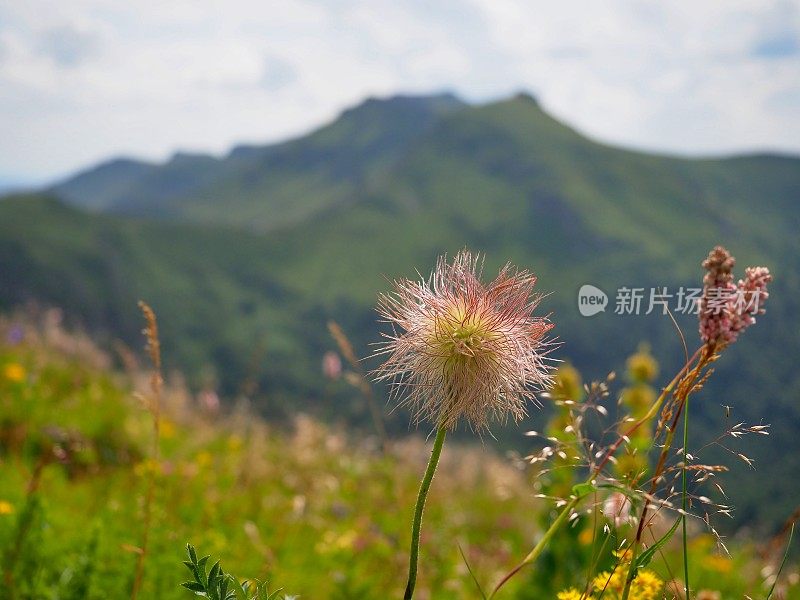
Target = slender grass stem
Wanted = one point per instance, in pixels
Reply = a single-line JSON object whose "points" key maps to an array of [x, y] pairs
{"points": [[681, 395], [539, 548], [441, 432], [683, 375], [683, 500], [650, 413], [154, 406], [783, 562]]}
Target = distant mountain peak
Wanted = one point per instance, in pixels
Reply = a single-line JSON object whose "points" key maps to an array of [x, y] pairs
{"points": [[524, 96], [97, 187], [184, 156], [431, 103], [448, 97]]}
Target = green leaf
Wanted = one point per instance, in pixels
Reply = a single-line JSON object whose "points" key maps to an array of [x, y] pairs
{"points": [[192, 553], [219, 585], [583, 489], [194, 586], [632, 494], [240, 589], [645, 557]]}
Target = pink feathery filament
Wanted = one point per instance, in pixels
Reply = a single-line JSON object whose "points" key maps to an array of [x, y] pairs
{"points": [[460, 348]]}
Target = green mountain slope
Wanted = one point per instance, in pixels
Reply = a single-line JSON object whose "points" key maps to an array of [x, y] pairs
{"points": [[213, 288], [279, 239], [270, 186], [99, 187]]}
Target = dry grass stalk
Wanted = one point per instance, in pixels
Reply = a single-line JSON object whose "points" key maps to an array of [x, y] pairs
{"points": [[154, 407], [346, 348]]}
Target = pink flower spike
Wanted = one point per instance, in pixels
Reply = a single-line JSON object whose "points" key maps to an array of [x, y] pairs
{"points": [[727, 309]]}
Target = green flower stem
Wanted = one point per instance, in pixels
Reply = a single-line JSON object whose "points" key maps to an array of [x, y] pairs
{"points": [[683, 494], [637, 542], [542, 544], [560, 520], [441, 432]]}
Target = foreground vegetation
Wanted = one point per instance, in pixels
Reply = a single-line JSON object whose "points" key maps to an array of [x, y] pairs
{"points": [[312, 510]]}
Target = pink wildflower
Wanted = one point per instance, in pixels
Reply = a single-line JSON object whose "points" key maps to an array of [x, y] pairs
{"points": [[727, 309], [332, 365], [617, 508]]}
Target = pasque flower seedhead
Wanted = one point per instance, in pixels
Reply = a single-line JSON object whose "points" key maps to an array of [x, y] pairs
{"points": [[462, 348]]}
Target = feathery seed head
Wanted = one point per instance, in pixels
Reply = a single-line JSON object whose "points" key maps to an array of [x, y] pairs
{"points": [[463, 348]]}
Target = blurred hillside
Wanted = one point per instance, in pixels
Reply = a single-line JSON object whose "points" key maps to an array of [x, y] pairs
{"points": [[246, 257]]}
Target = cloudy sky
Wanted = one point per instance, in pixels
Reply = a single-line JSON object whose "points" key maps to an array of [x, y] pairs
{"points": [[83, 80]]}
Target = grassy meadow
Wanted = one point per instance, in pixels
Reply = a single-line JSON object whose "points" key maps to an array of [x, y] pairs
{"points": [[318, 511]]}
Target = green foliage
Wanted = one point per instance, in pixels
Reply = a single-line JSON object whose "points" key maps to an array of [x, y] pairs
{"points": [[32, 569], [76, 580], [783, 562], [302, 503], [218, 585], [24, 553], [261, 185]]}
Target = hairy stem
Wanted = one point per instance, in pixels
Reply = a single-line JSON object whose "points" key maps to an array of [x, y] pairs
{"points": [[441, 432]]}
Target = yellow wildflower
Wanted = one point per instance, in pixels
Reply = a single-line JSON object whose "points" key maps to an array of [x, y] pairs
{"points": [[646, 586], [720, 564], [167, 429], [570, 594], [203, 459], [14, 372], [642, 367], [235, 443], [567, 383], [346, 540], [148, 466], [609, 582], [586, 536], [624, 555], [334, 542], [6, 508]]}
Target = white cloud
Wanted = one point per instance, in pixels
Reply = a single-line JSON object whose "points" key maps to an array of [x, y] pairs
{"points": [[87, 79]]}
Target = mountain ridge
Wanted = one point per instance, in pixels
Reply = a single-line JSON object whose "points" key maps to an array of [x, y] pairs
{"points": [[237, 150], [168, 188], [188, 186]]}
